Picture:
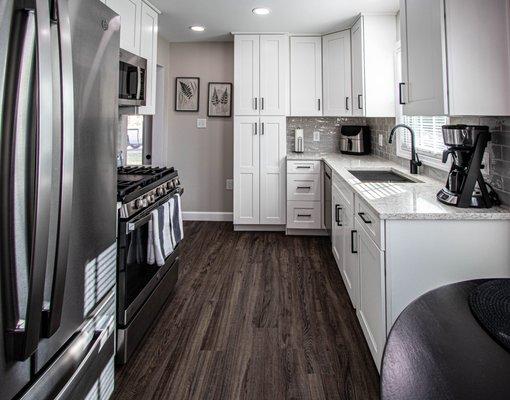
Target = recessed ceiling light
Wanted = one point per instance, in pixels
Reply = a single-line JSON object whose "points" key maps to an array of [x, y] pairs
{"points": [[261, 11], [197, 28]]}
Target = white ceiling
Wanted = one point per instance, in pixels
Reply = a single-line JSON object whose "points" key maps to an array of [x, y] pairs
{"points": [[220, 17]]}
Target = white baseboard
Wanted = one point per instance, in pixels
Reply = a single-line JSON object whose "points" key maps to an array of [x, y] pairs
{"points": [[207, 216], [259, 228]]}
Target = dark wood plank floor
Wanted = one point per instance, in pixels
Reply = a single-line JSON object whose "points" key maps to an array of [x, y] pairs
{"points": [[254, 316]]}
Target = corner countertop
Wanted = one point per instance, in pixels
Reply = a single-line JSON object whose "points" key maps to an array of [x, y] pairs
{"points": [[399, 201]]}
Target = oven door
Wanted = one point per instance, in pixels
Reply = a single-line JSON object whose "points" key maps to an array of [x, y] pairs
{"points": [[136, 278], [132, 79]]}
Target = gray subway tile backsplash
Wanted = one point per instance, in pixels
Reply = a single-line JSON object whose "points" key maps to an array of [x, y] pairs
{"points": [[329, 128]]}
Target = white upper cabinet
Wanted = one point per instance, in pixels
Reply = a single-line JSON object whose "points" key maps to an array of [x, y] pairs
{"points": [[261, 70], [274, 72], [358, 92], [246, 74], [130, 12], [422, 37], [337, 88], [149, 51], [373, 66], [305, 76], [455, 57]]}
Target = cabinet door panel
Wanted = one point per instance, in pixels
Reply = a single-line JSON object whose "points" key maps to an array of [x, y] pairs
{"points": [[272, 170], [337, 74], [246, 170], [350, 265], [306, 76], [337, 229], [130, 12], [372, 295], [423, 57], [149, 50], [358, 93], [274, 65], [246, 74]]}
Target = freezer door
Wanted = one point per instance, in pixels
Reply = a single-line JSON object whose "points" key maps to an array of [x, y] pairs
{"points": [[95, 61]]}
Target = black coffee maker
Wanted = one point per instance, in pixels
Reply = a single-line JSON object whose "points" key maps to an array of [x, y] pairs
{"points": [[465, 186]]}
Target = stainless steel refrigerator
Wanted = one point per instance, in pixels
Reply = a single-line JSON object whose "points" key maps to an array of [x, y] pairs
{"points": [[58, 99]]}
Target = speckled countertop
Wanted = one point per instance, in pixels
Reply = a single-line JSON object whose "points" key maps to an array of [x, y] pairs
{"points": [[416, 201]]}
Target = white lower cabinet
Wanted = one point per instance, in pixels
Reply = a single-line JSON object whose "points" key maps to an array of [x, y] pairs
{"points": [[259, 170], [350, 267], [342, 234], [371, 309], [304, 197]]}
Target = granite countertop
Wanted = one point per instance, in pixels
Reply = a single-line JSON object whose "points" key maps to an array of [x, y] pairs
{"points": [[399, 201]]}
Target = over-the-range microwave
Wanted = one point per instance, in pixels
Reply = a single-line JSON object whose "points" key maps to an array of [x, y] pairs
{"points": [[132, 79]]}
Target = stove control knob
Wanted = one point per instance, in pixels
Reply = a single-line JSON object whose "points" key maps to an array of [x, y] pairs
{"points": [[177, 182], [139, 204], [160, 191], [170, 185], [150, 198]]}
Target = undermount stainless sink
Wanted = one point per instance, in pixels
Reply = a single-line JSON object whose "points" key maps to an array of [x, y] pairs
{"points": [[381, 176]]}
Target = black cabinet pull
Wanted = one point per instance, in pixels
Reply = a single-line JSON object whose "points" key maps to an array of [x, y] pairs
{"points": [[319, 104], [303, 167], [304, 187], [360, 103], [347, 103], [337, 214], [362, 216], [304, 215], [352, 242], [400, 97]]}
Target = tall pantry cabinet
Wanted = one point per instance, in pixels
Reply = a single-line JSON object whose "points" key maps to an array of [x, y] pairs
{"points": [[261, 103]]}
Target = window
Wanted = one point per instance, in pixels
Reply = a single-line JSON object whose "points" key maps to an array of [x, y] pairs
{"points": [[134, 151], [429, 139]]}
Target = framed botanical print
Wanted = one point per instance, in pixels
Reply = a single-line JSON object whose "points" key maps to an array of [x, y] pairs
{"points": [[219, 100], [187, 94]]}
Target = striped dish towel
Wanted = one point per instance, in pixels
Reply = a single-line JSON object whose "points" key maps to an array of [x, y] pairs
{"points": [[165, 231]]}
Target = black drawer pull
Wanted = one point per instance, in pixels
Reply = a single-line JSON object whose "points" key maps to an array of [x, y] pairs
{"points": [[362, 216], [304, 215], [352, 242], [304, 187], [303, 167], [337, 215]]}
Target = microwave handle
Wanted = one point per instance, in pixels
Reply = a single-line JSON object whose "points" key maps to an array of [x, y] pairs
{"points": [[138, 83]]}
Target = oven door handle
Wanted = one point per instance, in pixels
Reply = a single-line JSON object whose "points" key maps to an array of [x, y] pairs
{"points": [[131, 226]]}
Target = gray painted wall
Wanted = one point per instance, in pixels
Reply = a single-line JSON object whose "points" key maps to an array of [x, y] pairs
{"points": [[204, 157]]}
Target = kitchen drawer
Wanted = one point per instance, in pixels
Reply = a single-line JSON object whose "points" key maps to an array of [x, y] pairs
{"points": [[369, 221], [304, 215], [303, 167], [345, 191], [304, 187]]}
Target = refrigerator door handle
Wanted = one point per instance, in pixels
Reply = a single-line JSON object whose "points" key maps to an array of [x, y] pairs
{"points": [[52, 315], [25, 227]]}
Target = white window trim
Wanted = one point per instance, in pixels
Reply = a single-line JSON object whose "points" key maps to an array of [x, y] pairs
{"points": [[426, 159]]}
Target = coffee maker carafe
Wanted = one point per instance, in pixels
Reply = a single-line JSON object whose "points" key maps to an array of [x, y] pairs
{"points": [[466, 186]]}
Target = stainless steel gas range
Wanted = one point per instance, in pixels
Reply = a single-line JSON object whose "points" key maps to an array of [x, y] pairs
{"points": [[142, 288]]}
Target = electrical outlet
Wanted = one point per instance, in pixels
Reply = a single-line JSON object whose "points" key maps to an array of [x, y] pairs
{"points": [[380, 140], [316, 136], [201, 123], [229, 184]]}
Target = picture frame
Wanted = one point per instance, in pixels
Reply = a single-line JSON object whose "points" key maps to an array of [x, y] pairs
{"points": [[219, 99], [187, 94]]}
